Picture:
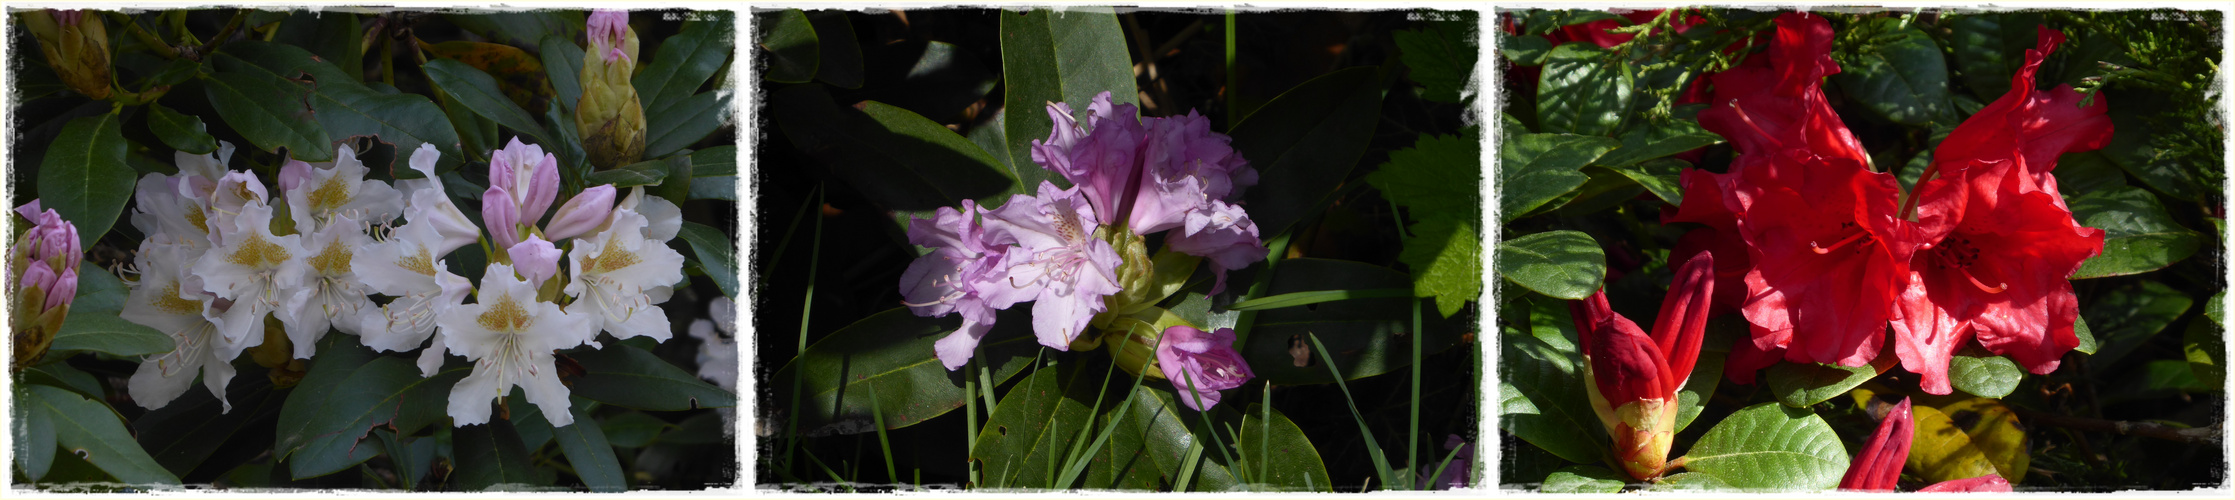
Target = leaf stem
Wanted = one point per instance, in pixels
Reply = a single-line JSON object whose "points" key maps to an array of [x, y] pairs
{"points": [[239, 16], [161, 48]]}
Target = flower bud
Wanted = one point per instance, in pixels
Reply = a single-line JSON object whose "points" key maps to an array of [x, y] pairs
{"points": [[529, 174], [585, 212], [1633, 377], [43, 271], [609, 118], [1878, 466], [294, 174], [501, 217], [536, 260], [76, 44], [1200, 364]]}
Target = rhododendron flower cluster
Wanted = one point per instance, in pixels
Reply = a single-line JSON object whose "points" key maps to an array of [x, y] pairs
{"points": [[1078, 253], [1830, 252], [43, 272], [224, 253]]}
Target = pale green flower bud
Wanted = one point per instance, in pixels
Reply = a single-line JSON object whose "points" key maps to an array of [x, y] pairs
{"points": [[76, 44], [609, 117]]}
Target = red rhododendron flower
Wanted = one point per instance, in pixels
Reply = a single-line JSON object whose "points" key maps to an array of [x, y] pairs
{"points": [[2028, 126], [1634, 377]]}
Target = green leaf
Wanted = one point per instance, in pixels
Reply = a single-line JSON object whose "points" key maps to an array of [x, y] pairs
{"points": [[714, 188], [562, 64], [2138, 234], [181, 132], [586, 450], [65, 376], [643, 173], [632, 429], [1562, 264], [2206, 350], [1524, 50], [683, 64], [33, 428], [1770, 447], [270, 111], [490, 456], [1441, 56], [1657, 139], [1304, 143], [717, 161], [629, 377], [1022, 440], [1982, 374], [346, 108], [794, 51], [2087, 172], [1989, 48], [104, 332], [1315, 297], [519, 75], [889, 355], [477, 91], [1060, 57], [1583, 479], [195, 427], [1362, 334], [715, 256], [1445, 255], [685, 123], [841, 53], [898, 159], [1661, 176], [2087, 338], [2128, 316], [522, 28], [1994, 430], [1699, 387], [1440, 176], [93, 432], [1537, 168], [1290, 461], [348, 391], [1897, 73], [2135, 146], [84, 176], [1689, 481], [1544, 400], [1800, 385], [1583, 90]]}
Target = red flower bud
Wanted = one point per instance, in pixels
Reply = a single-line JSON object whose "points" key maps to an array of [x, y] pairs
{"points": [[1878, 466], [1634, 377]]}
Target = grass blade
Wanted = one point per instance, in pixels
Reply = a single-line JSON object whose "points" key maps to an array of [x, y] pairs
{"points": [[1373, 446], [814, 259], [1412, 425], [877, 409], [1316, 296]]}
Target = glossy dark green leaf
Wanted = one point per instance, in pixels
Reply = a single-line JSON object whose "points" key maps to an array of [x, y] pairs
{"points": [[1303, 144], [1984, 374], [1769, 446], [1289, 460], [477, 91], [841, 53], [1898, 73], [1583, 90], [1537, 168], [1524, 50], [717, 161], [270, 111], [84, 177], [2124, 318], [794, 50], [181, 132], [1989, 47], [629, 377], [573, 162], [2086, 172], [490, 456], [714, 188], [1561, 264], [643, 173], [632, 429], [1024, 440], [714, 253], [1543, 398], [1657, 139], [898, 159], [1801, 385], [528, 421], [2138, 234], [347, 108], [683, 64], [33, 430], [104, 332], [1583, 479], [1062, 57], [586, 450], [889, 356], [2206, 347], [1699, 387], [348, 391], [91, 431], [562, 64], [1367, 336], [194, 427], [685, 123], [65, 376], [1441, 56], [522, 28], [2135, 145], [1661, 176]]}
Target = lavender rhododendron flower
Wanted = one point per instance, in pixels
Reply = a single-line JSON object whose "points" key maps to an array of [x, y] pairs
{"points": [[1200, 364], [1058, 263], [947, 280]]}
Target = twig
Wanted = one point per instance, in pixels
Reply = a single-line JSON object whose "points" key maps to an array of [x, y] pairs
{"points": [[1185, 34], [239, 17], [2124, 428], [132, 25]]}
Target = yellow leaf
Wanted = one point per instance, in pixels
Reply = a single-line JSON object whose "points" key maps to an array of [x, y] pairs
{"points": [[1995, 431], [1941, 452]]}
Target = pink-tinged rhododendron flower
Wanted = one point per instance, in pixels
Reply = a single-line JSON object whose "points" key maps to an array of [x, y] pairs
{"points": [[430, 204], [1878, 466], [1200, 364], [315, 194], [949, 279], [528, 174], [174, 208], [615, 273], [1634, 377], [535, 259], [584, 212], [510, 337], [159, 301], [1222, 234], [1058, 264], [251, 269]]}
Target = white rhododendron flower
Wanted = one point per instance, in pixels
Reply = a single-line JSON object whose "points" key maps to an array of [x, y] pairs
{"points": [[251, 269], [338, 189], [332, 295], [174, 208], [510, 336], [429, 203], [717, 349], [158, 301], [614, 269], [408, 266]]}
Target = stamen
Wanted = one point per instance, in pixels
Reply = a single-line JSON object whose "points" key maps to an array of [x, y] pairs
{"points": [[1983, 286], [1749, 121], [1820, 250]]}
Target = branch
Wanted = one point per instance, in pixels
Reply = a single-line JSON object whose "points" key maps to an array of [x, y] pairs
{"points": [[2124, 428], [239, 17]]}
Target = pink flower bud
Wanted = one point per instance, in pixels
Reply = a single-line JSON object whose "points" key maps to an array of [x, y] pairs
{"points": [[293, 174], [585, 212], [39, 276], [607, 29], [535, 259], [500, 216], [1206, 362], [29, 211], [65, 288], [529, 174], [1878, 466], [1991, 483], [69, 17], [543, 188]]}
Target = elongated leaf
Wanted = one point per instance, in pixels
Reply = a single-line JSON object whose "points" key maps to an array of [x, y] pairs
{"points": [[586, 449], [684, 62], [643, 173], [477, 91], [1367, 336], [64, 376], [1537, 168], [889, 355], [714, 255], [98, 290], [1542, 399], [632, 429], [346, 108], [1770, 447], [1290, 461], [104, 332], [521, 76], [349, 390], [1661, 176], [1801, 385], [794, 52], [841, 53], [1699, 387], [491, 456], [1897, 73], [2138, 235], [1583, 479], [1023, 440], [2127, 317], [1061, 57], [522, 28], [84, 177], [272, 113], [195, 427], [896, 158], [1304, 143], [179, 131], [562, 64], [1995, 430], [629, 377], [1561, 264], [717, 161], [33, 430], [685, 123], [1307, 298], [1657, 139], [1583, 90], [1158, 427], [91, 431]]}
